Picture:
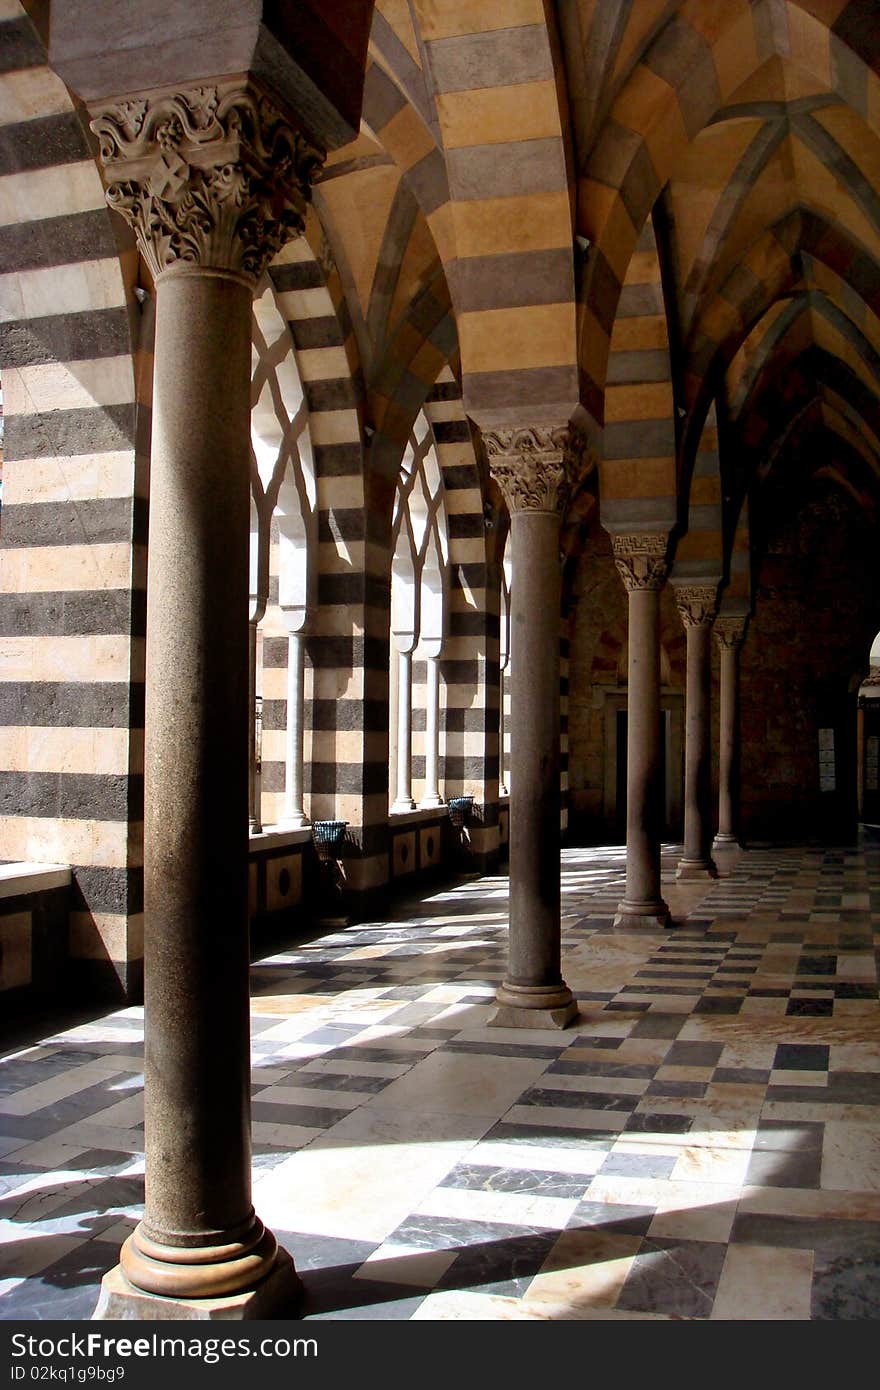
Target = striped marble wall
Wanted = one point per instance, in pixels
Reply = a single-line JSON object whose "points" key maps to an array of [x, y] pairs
{"points": [[72, 547]]}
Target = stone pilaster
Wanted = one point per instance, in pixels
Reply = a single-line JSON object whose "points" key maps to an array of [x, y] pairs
{"points": [[729, 634], [696, 607], [534, 468], [213, 181], [641, 564]]}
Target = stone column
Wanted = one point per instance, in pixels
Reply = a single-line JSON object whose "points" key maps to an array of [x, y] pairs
{"points": [[213, 182], [293, 753], [432, 797], [729, 634], [696, 606], [404, 799], [641, 564], [532, 470]]}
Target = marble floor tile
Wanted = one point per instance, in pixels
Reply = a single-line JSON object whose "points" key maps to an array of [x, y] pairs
{"points": [[762, 1283], [659, 1159]]}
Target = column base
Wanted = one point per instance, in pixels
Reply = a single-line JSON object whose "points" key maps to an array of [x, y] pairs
{"points": [[726, 842], [276, 1296], [534, 1006], [642, 916], [696, 869], [400, 808]]}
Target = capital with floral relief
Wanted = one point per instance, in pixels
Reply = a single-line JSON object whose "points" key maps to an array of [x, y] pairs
{"points": [[213, 177], [535, 465]]}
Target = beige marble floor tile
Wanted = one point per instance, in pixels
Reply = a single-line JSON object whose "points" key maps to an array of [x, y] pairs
{"points": [[362, 1177], [451, 1083], [585, 1269], [851, 1156], [799, 1201], [611, 1121], [456, 1306], [272, 1135], [708, 1163], [761, 1283], [712, 1222]]}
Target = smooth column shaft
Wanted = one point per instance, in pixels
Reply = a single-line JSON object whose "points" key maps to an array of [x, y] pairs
{"points": [[698, 746], [728, 760], [432, 735], [644, 766], [197, 1058], [535, 946], [404, 801], [293, 772]]}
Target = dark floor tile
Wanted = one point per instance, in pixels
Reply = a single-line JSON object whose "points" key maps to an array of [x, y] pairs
{"points": [[613, 1217], [693, 1054], [324, 1252], [718, 1004], [556, 1136], [67, 1289], [810, 1008], [641, 1123], [659, 1025], [478, 1177], [743, 1076], [679, 1278], [801, 1057], [505, 1267]]}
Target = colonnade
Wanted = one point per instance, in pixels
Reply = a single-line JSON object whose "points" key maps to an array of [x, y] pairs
{"points": [[201, 1250]]}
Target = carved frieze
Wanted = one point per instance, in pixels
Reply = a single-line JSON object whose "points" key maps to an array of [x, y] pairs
{"points": [[641, 560], [213, 177]]}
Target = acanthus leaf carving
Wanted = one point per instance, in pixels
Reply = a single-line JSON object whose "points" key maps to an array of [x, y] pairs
{"points": [[213, 177], [533, 465]]}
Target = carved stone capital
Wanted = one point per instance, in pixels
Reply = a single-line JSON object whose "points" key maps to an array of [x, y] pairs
{"points": [[641, 560], [534, 466], [213, 177], [696, 603], [730, 632]]}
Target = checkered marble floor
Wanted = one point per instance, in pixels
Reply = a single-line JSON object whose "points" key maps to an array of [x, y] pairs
{"points": [[703, 1142]]}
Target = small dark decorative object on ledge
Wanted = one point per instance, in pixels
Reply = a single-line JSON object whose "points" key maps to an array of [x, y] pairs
{"points": [[327, 835], [460, 808]]}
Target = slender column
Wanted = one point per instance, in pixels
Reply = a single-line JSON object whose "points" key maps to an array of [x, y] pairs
{"points": [[404, 800], [502, 783], [194, 175], [255, 777], [641, 563], [432, 795], [532, 469], [696, 606], [293, 769], [729, 634]]}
